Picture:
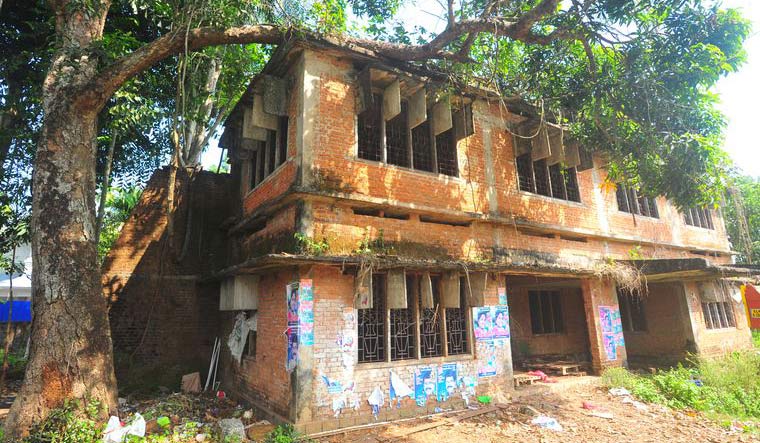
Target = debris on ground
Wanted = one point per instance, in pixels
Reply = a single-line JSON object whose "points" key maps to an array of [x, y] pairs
{"points": [[547, 423], [116, 431], [232, 429]]}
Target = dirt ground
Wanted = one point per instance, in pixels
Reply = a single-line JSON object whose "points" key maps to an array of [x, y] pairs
{"points": [[564, 402]]}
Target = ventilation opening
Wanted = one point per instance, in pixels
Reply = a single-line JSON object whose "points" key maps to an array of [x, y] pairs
{"points": [[575, 239], [439, 221], [534, 233], [372, 212]]}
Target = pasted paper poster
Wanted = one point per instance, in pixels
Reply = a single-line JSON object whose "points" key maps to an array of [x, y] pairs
{"points": [[612, 330], [486, 353], [291, 294], [306, 312], [501, 322], [424, 384], [447, 381], [502, 295], [292, 334], [483, 323]]}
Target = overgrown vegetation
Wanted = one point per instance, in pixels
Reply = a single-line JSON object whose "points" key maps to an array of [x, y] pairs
{"points": [[725, 388], [286, 434]]}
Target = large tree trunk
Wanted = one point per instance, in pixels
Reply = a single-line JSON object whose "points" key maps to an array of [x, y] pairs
{"points": [[71, 352]]}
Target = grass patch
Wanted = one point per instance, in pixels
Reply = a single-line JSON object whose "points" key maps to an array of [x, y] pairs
{"points": [[727, 387], [756, 337]]}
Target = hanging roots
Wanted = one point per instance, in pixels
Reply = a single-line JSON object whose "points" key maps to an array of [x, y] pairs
{"points": [[626, 276]]}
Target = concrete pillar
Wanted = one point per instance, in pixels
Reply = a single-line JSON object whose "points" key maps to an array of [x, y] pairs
{"points": [[596, 293]]}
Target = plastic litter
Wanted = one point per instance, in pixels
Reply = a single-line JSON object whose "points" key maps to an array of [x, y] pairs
{"points": [[116, 431], [618, 392], [600, 414], [547, 422], [542, 376], [637, 404]]}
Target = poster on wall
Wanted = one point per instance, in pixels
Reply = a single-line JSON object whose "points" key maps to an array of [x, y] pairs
{"points": [[612, 330], [292, 360], [486, 351], [502, 295], [424, 384], [291, 295], [483, 323], [306, 312], [501, 322], [491, 322], [447, 381]]}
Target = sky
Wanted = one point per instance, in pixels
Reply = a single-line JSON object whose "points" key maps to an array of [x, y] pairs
{"points": [[739, 92]]}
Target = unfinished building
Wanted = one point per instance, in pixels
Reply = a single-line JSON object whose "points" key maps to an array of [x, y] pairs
{"points": [[387, 244]]}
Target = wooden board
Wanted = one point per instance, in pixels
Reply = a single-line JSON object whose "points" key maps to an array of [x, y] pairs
{"points": [[450, 295], [392, 100], [396, 289], [417, 108], [442, 121]]}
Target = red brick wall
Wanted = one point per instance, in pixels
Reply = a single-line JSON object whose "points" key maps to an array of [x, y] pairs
{"points": [[160, 312], [574, 338], [716, 341], [668, 336], [262, 380]]}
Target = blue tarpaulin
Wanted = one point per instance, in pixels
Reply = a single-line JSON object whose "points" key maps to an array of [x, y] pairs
{"points": [[22, 311]]}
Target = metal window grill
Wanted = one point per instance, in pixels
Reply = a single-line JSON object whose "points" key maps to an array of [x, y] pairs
{"points": [[369, 127], [525, 173], [422, 151], [430, 326], [557, 182], [371, 325], [397, 138], [403, 328], [456, 324], [446, 150], [541, 176], [571, 185]]}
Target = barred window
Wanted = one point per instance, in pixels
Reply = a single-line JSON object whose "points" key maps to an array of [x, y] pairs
{"points": [[414, 332], [446, 150], [403, 325], [545, 312], [268, 154], [552, 181], [389, 141], [629, 200], [422, 147], [718, 315], [397, 138], [371, 324], [456, 324], [699, 217], [369, 127], [632, 311]]}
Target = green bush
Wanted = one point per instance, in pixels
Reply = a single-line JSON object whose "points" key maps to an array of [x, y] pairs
{"points": [[728, 385], [285, 434]]}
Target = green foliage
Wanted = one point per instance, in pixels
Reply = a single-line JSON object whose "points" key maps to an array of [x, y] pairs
{"points": [[69, 424], [311, 246], [756, 338], [119, 205], [285, 434], [746, 193], [730, 385]]}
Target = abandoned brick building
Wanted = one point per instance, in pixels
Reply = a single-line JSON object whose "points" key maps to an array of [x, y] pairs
{"points": [[386, 235]]}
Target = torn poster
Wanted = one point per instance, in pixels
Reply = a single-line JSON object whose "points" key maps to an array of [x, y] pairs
{"points": [[612, 330], [486, 355], [424, 384], [447, 381], [398, 389], [292, 334], [502, 295], [376, 400], [239, 335], [333, 386], [306, 312]]}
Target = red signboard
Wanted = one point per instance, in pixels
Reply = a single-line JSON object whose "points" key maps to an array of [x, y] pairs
{"points": [[752, 302]]}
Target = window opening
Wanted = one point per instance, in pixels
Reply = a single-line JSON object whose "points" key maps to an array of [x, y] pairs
{"points": [[403, 326], [545, 312], [371, 324]]}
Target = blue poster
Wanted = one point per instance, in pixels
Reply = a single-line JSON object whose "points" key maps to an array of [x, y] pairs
{"points": [[424, 385], [502, 295], [306, 312], [447, 381], [483, 323]]}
